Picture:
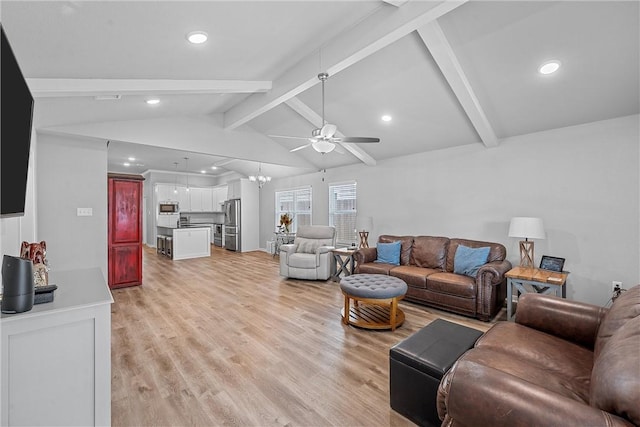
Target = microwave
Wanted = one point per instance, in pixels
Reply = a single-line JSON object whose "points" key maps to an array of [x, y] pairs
{"points": [[168, 208]]}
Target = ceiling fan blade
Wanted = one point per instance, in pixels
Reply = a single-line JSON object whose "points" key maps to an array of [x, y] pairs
{"points": [[293, 150], [289, 137], [356, 139], [328, 130]]}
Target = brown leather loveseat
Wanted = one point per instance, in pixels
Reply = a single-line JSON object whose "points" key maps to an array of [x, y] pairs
{"points": [[562, 363], [427, 266]]}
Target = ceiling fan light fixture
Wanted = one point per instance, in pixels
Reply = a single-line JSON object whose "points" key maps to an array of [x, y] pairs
{"points": [[322, 146]]}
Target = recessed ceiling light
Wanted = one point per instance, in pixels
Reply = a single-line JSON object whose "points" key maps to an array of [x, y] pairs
{"points": [[549, 67], [386, 118], [132, 159], [203, 171], [127, 164], [153, 101], [197, 37], [214, 167]]}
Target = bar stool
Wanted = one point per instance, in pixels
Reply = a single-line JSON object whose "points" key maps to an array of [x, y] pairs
{"points": [[160, 244], [168, 246]]}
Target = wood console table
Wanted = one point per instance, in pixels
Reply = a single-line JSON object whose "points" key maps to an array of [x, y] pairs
{"points": [[531, 279]]}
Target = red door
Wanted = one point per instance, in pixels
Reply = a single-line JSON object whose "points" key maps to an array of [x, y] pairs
{"points": [[125, 231]]}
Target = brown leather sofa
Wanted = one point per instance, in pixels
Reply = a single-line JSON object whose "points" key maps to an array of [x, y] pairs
{"points": [[426, 265], [562, 363]]}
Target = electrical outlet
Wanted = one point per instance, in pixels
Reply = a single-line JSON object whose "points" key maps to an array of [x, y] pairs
{"points": [[84, 212], [616, 286]]}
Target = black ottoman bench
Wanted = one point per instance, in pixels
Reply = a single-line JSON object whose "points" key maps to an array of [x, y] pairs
{"points": [[417, 364]]}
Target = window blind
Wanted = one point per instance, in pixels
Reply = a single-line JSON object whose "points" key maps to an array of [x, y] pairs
{"points": [[295, 202], [342, 211]]}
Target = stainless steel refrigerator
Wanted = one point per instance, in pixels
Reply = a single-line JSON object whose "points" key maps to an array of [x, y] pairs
{"points": [[232, 225]]}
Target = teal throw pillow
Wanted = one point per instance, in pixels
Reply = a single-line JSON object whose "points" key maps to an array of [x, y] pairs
{"points": [[468, 261], [389, 253]]}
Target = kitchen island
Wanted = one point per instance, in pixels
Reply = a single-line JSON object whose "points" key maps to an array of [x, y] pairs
{"points": [[188, 242]]}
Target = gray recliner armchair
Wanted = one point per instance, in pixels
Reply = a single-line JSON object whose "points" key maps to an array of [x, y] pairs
{"points": [[309, 257]]}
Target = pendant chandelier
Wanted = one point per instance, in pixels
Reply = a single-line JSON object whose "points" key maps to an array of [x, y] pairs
{"points": [[260, 179]]}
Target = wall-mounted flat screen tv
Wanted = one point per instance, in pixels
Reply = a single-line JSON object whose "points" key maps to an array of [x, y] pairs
{"points": [[16, 112]]}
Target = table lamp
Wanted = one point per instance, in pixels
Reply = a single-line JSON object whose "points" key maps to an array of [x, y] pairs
{"points": [[364, 224], [529, 228]]}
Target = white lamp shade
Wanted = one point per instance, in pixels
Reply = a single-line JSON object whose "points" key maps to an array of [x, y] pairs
{"points": [[526, 227], [364, 223]]}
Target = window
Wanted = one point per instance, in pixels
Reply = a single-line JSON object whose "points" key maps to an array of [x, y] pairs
{"points": [[297, 203], [342, 211]]}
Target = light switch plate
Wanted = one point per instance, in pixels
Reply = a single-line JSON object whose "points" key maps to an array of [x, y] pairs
{"points": [[85, 212]]}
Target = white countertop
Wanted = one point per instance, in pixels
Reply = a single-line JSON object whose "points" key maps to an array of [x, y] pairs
{"points": [[76, 289]]}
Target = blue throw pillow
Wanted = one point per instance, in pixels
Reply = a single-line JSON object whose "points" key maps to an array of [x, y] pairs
{"points": [[389, 253], [469, 260]]}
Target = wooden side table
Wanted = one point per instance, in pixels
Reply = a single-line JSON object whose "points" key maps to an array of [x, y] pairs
{"points": [[531, 279], [345, 262]]}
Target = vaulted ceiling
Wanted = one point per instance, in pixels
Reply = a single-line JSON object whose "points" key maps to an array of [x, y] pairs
{"points": [[449, 73]]}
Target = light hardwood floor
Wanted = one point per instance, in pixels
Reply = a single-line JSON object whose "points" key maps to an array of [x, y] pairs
{"points": [[225, 340]]}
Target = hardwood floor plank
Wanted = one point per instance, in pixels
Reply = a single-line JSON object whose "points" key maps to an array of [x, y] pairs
{"points": [[224, 340]]}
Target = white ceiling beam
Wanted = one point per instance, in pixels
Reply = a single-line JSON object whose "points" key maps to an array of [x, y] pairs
{"points": [[381, 29], [43, 88], [396, 3], [315, 119], [442, 52]]}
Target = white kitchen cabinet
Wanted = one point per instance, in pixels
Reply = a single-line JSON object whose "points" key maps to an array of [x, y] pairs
{"points": [[56, 358], [195, 198], [219, 196], [184, 204], [165, 193], [207, 199], [234, 190]]}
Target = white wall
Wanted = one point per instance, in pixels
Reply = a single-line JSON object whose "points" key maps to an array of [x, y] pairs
{"points": [[15, 230], [70, 174], [582, 180]]}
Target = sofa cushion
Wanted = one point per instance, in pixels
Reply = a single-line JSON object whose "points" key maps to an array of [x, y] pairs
{"points": [[615, 386], [405, 245], [626, 307], [389, 253], [497, 252], [415, 277], [375, 268], [468, 261], [307, 246], [429, 252], [301, 260], [451, 283], [569, 362]]}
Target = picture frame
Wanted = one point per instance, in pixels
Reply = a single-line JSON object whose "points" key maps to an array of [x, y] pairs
{"points": [[552, 263]]}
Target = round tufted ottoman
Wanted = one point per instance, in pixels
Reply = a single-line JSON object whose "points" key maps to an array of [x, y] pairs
{"points": [[379, 295]]}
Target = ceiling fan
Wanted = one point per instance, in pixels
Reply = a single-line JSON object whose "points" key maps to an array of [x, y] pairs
{"points": [[322, 139]]}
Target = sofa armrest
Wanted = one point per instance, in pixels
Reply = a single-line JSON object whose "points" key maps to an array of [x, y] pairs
{"points": [[290, 247], [494, 271], [364, 255], [472, 394], [573, 321], [324, 249]]}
